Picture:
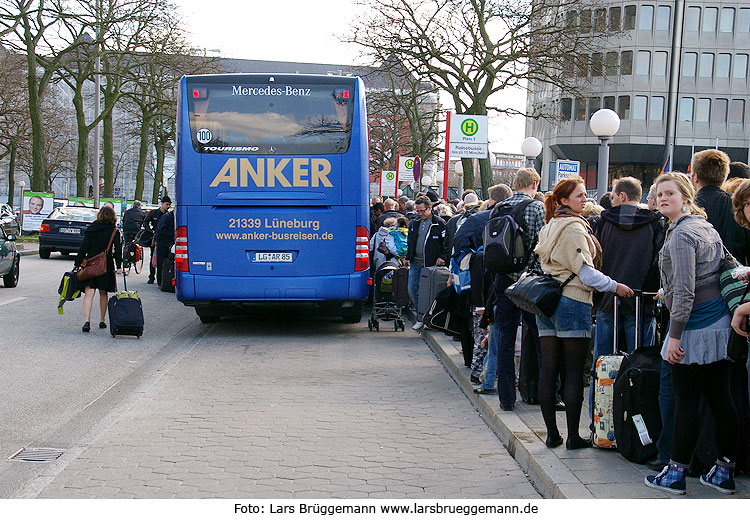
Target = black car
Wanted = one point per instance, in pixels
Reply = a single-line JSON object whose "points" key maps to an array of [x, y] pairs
{"points": [[10, 258], [63, 230]]}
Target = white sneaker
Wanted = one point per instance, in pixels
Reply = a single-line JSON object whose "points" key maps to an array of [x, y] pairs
{"points": [[418, 325]]}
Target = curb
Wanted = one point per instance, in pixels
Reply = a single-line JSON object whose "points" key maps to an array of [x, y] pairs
{"points": [[551, 478]]}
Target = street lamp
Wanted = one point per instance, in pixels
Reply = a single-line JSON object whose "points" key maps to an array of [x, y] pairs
{"points": [[21, 184], [531, 147], [604, 123]]}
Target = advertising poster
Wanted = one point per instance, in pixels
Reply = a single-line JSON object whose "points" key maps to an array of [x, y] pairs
{"points": [[116, 203], [36, 207], [81, 202]]}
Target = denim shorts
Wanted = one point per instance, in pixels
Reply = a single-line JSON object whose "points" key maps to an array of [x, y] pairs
{"points": [[572, 319]]}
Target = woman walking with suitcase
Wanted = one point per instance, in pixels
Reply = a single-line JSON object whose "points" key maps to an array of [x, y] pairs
{"points": [[102, 235], [699, 329], [567, 248]]}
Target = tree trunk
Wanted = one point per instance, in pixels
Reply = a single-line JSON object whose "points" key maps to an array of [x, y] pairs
{"points": [[38, 167], [142, 158], [108, 147], [82, 159], [485, 174], [11, 174], [468, 166], [159, 145]]}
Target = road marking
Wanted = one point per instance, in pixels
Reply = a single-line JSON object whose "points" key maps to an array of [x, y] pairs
{"points": [[6, 302]]}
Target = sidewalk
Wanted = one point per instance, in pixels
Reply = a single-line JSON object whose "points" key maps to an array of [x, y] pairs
{"points": [[28, 248], [559, 473]]}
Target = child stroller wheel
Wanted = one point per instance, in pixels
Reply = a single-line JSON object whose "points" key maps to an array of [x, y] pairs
{"points": [[376, 325], [395, 325], [369, 324]]}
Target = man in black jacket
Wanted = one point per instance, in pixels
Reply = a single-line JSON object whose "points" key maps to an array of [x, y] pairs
{"points": [[150, 224], [132, 221], [163, 241], [710, 169], [425, 247]]}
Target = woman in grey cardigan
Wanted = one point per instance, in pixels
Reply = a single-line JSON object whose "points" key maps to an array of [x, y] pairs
{"points": [[690, 263]]}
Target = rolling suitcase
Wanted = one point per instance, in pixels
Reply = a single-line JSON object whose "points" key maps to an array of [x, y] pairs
{"points": [[637, 418], [528, 373], [432, 280], [167, 274], [401, 287], [605, 373], [125, 313]]}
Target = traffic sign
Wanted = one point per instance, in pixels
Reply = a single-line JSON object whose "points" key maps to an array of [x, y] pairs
{"points": [[468, 136], [417, 169]]}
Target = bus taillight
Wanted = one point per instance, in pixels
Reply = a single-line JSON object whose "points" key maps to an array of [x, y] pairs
{"points": [[362, 261], [180, 250]]}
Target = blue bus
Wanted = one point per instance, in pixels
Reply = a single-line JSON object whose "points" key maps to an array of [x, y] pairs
{"points": [[272, 192]]}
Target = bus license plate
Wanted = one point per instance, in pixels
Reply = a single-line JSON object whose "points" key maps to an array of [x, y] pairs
{"points": [[71, 230], [273, 257]]}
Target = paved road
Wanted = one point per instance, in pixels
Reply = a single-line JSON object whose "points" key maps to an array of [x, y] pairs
{"points": [[279, 406]]}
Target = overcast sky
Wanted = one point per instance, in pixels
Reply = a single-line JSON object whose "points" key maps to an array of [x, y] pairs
{"points": [[301, 31]]}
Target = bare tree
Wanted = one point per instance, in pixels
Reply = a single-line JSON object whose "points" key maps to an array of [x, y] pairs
{"points": [[473, 49], [14, 118]]}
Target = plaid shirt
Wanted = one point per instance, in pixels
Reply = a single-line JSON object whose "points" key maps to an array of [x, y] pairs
{"points": [[533, 217]]}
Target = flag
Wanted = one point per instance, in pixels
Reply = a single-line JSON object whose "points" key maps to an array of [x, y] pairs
{"points": [[667, 165]]}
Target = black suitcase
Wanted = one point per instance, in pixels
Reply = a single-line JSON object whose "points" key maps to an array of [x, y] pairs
{"points": [[401, 287], [636, 397], [125, 313], [528, 373], [167, 274]]}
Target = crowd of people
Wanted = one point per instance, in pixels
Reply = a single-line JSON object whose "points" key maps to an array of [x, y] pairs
{"points": [[672, 248]]}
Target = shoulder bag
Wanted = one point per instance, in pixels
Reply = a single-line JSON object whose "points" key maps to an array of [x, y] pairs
{"points": [[95, 266], [537, 293]]}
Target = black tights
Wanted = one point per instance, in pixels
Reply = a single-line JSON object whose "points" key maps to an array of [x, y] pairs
{"points": [[712, 380], [568, 354]]}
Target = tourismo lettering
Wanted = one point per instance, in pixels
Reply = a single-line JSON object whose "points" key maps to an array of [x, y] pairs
{"points": [[268, 172]]}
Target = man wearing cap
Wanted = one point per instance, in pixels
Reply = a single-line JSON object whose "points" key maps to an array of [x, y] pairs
{"points": [[150, 224]]}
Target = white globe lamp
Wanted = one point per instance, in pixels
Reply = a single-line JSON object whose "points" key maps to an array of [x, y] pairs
{"points": [[604, 124]]}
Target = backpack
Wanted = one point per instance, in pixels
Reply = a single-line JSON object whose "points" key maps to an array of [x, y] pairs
{"points": [[504, 251], [460, 270], [400, 238]]}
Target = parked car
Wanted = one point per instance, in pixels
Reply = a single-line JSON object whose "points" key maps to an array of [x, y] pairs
{"points": [[63, 230], [10, 258], [9, 220]]}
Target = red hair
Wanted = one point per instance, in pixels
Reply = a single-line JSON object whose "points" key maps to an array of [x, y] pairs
{"points": [[562, 189]]}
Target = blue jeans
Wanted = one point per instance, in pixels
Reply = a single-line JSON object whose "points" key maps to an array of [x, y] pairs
{"points": [[604, 339], [490, 360], [666, 405], [414, 272]]}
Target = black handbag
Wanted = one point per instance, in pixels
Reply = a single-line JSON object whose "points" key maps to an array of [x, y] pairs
{"points": [[737, 347], [537, 293]]}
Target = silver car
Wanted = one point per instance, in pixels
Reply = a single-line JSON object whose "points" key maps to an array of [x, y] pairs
{"points": [[10, 258]]}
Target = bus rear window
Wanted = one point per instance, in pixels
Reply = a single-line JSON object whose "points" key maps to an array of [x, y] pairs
{"points": [[263, 119]]}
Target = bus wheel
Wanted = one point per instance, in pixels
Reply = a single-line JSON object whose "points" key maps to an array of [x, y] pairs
{"points": [[206, 315]]}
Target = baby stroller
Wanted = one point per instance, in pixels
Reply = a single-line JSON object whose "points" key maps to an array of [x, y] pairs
{"points": [[390, 295]]}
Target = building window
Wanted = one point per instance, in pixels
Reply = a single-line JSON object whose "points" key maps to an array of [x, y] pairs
{"points": [[686, 109], [722, 65], [585, 27], [611, 64], [646, 19], [571, 18], [657, 108], [628, 21], [726, 24], [689, 64], [597, 64], [743, 20], [740, 66], [609, 102], [583, 66], [580, 109], [663, 16], [600, 20], [709, 19], [719, 115], [615, 19], [623, 107], [737, 111], [702, 110], [626, 62], [660, 63], [692, 18], [643, 63], [566, 108], [706, 67], [595, 104], [640, 105]]}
